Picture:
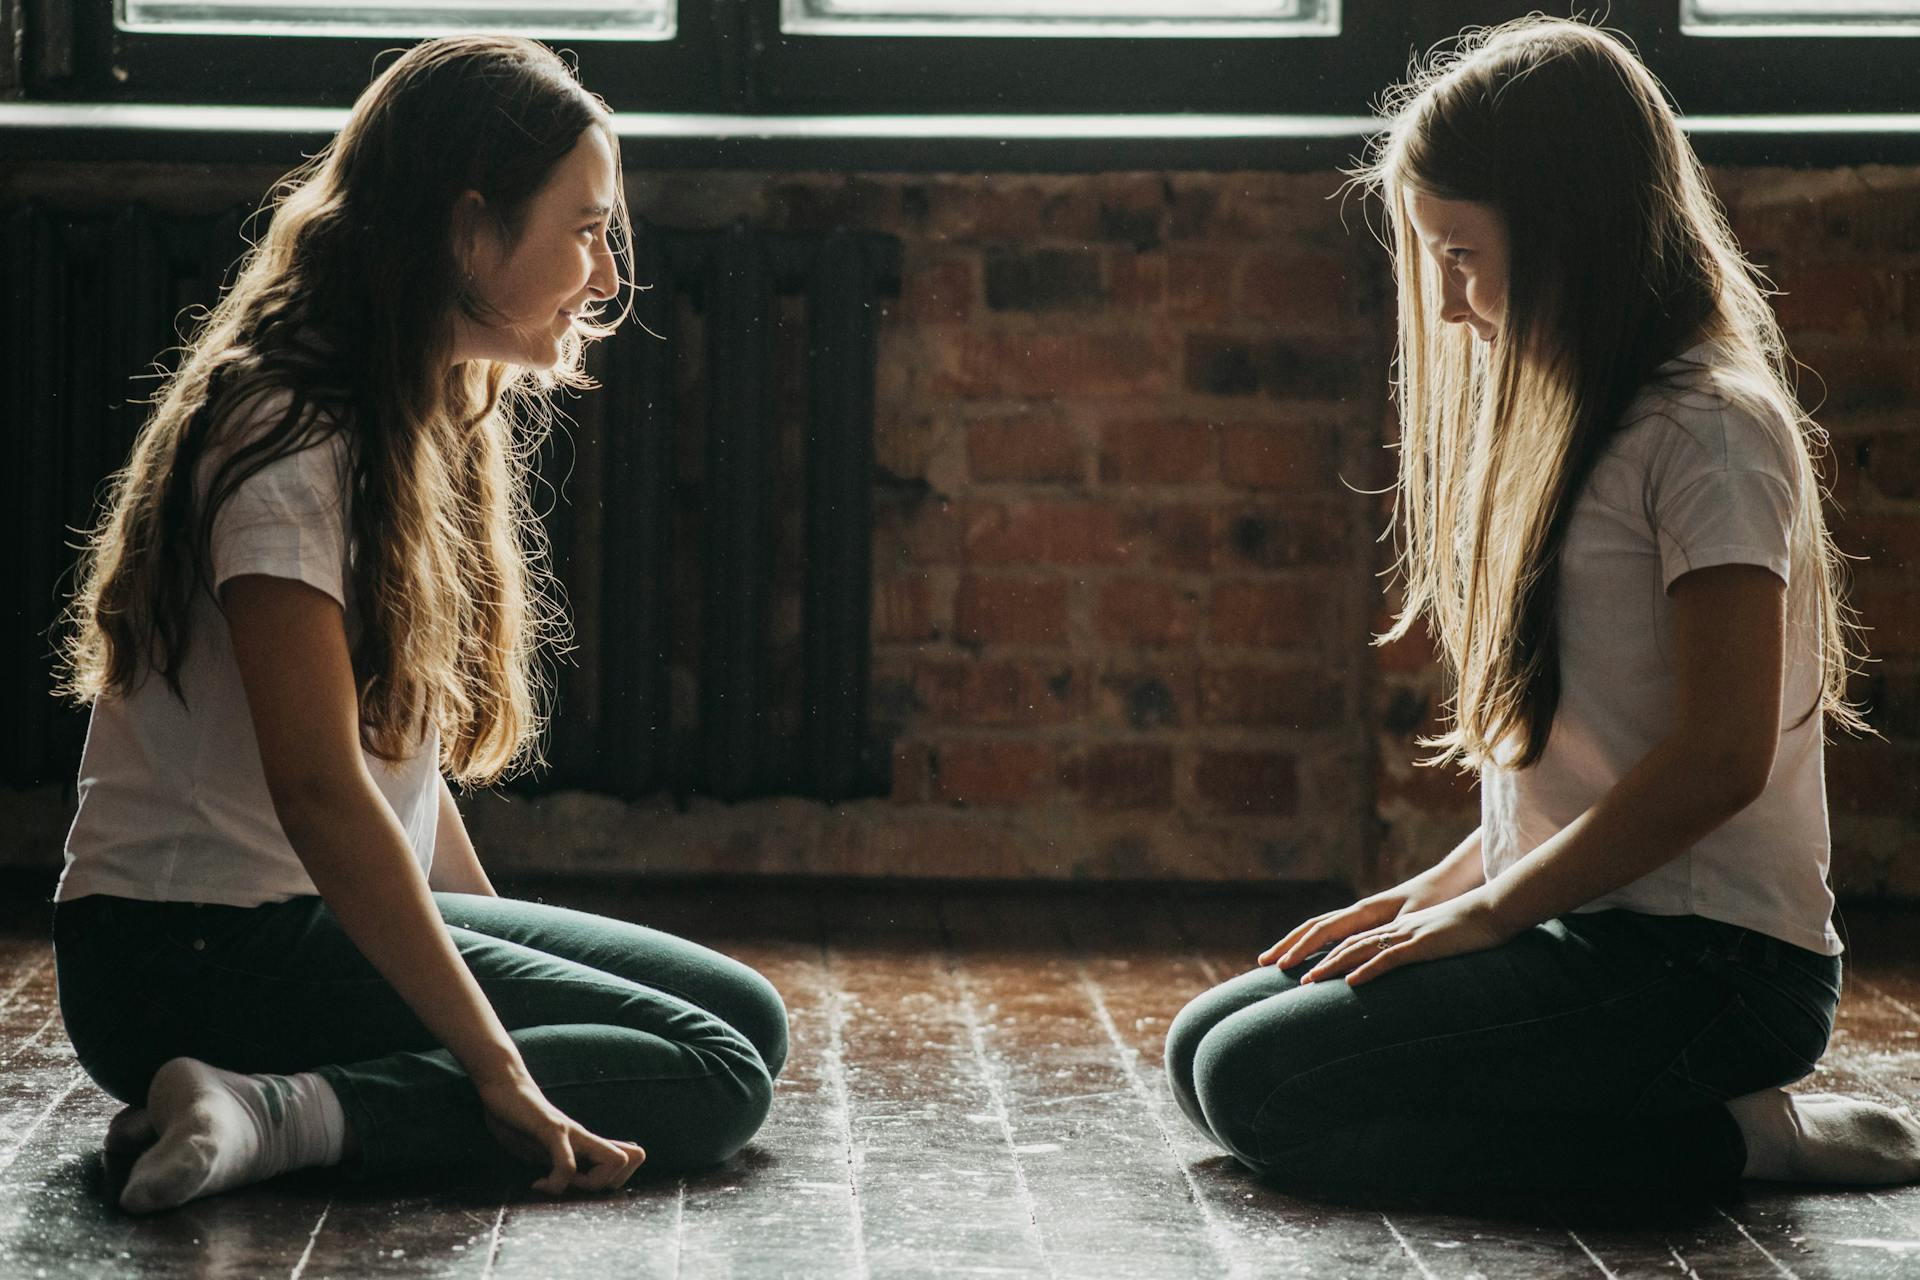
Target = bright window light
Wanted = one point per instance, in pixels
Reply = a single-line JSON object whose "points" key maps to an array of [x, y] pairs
{"points": [[1061, 17], [1800, 17], [573, 19]]}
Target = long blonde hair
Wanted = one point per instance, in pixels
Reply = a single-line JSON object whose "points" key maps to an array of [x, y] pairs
{"points": [[342, 315], [1620, 259]]}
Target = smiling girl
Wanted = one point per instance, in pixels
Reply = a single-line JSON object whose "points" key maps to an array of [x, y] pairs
{"points": [[315, 595], [1611, 523]]}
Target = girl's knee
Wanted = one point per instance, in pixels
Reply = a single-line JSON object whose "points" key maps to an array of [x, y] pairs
{"points": [[1239, 1086], [730, 1124], [758, 1013], [1188, 1028]]}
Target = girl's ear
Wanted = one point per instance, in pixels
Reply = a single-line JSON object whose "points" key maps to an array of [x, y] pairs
{"points": [[474, 235]]}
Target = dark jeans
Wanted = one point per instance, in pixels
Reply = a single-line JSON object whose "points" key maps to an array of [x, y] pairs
{"points": [[1590, 1053], [636, 1034]]}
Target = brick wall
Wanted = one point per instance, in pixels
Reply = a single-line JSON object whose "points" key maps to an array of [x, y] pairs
{"points": [[1125, 567]]}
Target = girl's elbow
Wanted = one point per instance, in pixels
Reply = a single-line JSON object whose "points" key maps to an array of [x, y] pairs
{"points": [[1737, 778]]}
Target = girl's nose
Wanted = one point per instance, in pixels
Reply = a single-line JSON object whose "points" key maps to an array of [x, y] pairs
{"points": [[603, 281], [1453, 300]]}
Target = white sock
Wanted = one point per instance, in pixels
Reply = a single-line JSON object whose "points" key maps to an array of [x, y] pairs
{"points": [[1825, 1137], [219, 1130]]}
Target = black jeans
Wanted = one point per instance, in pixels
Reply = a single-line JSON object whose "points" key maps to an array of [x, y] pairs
{"points": [[634, 1033], [1590, 1053]]}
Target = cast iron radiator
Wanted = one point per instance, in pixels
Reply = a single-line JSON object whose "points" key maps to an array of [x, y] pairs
{"points": [[709, 506]]}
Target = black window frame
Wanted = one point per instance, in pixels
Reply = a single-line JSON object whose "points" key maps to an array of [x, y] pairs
{"points": [[730, 57]]}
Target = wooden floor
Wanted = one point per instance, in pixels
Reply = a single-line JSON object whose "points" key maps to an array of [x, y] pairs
{"points": [[975, 1090]]}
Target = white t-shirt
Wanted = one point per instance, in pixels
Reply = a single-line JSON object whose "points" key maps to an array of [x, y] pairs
{"points": [[1693, 480], [173, 803]]}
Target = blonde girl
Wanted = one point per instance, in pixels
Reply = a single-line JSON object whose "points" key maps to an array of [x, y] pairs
{"points": [[1611, 523], [315, 596]]}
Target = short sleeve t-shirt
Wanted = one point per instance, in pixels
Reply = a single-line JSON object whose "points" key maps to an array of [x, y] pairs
{"points": [[1695, 478], [173, 802]]}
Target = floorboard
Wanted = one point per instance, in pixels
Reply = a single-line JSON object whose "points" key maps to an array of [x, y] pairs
{"points": [[975, 1088]]}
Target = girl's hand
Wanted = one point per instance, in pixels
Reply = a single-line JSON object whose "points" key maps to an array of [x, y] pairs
{"points": [[1463, 924], [1330, 927], [532, 1128]]}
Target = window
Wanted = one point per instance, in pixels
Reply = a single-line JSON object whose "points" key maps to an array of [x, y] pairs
{"points": [[1800, 17], [852, 59], [575, 19], [1125, 18]]}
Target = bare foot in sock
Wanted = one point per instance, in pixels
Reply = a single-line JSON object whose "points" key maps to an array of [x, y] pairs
{"points": [[218, 1130], [1826, 1137]]}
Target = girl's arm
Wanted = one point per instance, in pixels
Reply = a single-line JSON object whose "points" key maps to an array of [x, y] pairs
{"points": [[456, 865], [1729, 626], [289, 640]]}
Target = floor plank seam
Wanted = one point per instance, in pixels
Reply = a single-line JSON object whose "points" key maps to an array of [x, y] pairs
{"points": [[679, 1225], [313, 1238], [1766, 1253], [1686, 1268], [976, 1035], [1218, 1237], [26, 1135], [1605, 1270], [20, 984], [1879, 992], [1406, 1247], [836, 1070]]}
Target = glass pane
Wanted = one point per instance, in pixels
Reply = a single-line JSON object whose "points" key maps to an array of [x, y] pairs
{"points": [[1061, 17], [578, 19], [1800, 17]]}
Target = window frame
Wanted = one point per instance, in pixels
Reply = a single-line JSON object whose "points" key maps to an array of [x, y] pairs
{"points": [[730, 57]]}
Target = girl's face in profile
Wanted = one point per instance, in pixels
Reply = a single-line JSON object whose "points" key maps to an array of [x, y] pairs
{"points": [[1467, 243], [561, 261]]}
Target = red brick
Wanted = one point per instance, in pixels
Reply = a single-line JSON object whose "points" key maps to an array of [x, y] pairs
{"points": [[1031, 448], [1016, 611], [1046, 533], [1136, 281], [981, 364], [1261, 782], [991, 772], [1835, 298], [1410, 654], [923, 531], [995, 207], [1199, 284], [1297, 697], [1892, 461], [1147, 612], [1431, 789], [912, 772], [1181, 536], [942, 292], [1156, 451], [1298, 293], [902, 608], [1128, 776], [1892, 610], [1872, 777], [1891, 542], [1006, 692], [1267, 615], [1846, 379], [1160, 693], [1277, 457], [1277, 535]]}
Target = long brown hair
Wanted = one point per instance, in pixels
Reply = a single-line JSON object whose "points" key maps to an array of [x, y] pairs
{"points": [[341, 320], [1620, 259]]}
